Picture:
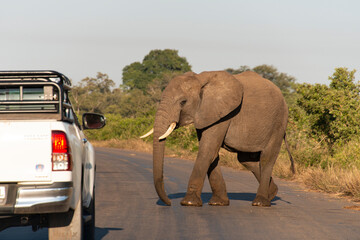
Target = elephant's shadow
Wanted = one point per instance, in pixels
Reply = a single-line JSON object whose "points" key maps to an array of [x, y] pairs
{"points": [[205, 197]]}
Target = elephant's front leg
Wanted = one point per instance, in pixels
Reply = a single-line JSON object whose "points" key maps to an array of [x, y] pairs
{"points": [[209, 144], [218, 186]]}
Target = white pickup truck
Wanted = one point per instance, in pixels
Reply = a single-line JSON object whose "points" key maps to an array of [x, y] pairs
{"points": [[47, 167]]}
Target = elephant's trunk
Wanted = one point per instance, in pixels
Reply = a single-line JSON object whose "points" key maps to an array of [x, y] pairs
{"points": [[160, 126], [158, 168]]}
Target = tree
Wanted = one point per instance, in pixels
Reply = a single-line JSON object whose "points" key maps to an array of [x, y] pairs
{"points": [[91, 94], [333, 111], [154, 65], [135, 77], [239, 70], [155, 88], [135, 104]]}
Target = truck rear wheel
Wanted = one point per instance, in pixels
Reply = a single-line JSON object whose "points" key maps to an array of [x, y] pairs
{"points": [[89, 219], [68, 225]]}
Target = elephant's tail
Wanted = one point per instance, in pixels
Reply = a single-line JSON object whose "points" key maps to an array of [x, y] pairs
{"points": [[292, 167]]}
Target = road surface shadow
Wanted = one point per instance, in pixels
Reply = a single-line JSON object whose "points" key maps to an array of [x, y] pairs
{"points": [[205, 197], [100, 233]]}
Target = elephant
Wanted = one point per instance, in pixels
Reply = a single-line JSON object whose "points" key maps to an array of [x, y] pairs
{"points": [[242, 113]]}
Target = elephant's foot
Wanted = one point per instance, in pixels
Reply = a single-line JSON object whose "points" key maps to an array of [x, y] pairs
{"points": [[261, 201], [218, 201], [273, 190], [191, 200]]}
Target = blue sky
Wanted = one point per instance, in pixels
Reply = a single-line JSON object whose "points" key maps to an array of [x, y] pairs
{"points": [[307, 39]]}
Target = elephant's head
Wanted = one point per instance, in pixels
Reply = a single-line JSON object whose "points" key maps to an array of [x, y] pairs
{"points": [[202, 99]]}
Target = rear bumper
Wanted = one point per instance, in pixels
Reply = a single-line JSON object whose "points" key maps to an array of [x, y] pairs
{"points": [[35, 199]]}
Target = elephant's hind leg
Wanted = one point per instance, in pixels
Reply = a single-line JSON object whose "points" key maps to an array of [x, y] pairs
{"points": [[253, 165], [268, 157], [218, 186]]}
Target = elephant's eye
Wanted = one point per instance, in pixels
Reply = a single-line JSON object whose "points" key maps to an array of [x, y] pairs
{"points": [[183, 102]]}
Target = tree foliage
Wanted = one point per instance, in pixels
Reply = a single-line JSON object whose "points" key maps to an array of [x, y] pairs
{"points": [[98, 95], [154, 65], [132, 104], [141, 89], [333, 110], [91, 94]]}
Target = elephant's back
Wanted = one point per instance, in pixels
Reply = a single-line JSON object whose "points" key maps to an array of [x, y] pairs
{"points": [[255, 85], [263, 111], [260, 92]]}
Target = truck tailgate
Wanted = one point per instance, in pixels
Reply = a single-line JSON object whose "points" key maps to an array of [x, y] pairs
{"points": [[25, 151]]}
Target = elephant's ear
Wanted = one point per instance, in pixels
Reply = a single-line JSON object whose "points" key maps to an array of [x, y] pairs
{"points": [[220, 94]]}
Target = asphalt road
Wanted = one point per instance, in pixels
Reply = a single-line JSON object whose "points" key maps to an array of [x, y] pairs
{"points": [[127, 206]]}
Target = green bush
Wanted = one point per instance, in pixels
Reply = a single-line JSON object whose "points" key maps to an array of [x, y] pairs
{"points": [[306, 151], [346, 155], [333, 111], [185, 138], [118, 127]]}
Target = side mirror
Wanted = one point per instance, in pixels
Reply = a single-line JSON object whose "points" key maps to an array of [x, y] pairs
{"points": [[93, 121]]}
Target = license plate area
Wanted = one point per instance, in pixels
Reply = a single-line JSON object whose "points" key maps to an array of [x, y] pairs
{"points": [[3, 193]]}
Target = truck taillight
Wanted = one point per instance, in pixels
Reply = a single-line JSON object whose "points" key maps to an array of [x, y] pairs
{"points": [[61, 157]]}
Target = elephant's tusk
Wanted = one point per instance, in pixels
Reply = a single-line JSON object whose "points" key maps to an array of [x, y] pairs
{"points": [[169, 131], [148, 133]]}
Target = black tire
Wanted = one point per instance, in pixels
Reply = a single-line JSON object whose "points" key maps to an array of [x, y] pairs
{"points": [[89, 219], [67, 225]]}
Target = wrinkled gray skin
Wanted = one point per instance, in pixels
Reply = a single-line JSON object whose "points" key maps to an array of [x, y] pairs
{"points": [[242, 113]]}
